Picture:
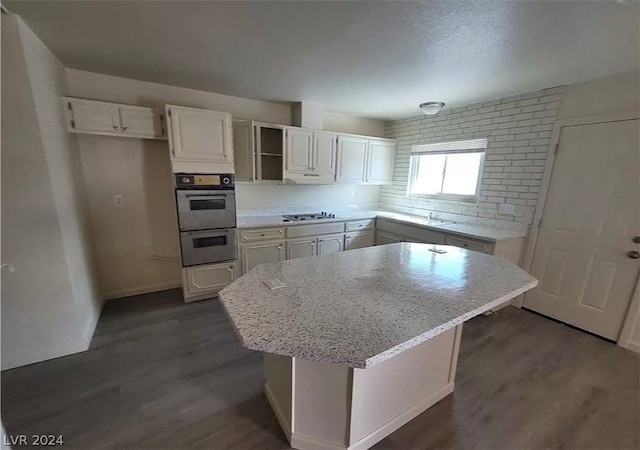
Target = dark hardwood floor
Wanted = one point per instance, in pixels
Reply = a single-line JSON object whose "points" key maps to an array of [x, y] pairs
{"points": [[162, 374]]}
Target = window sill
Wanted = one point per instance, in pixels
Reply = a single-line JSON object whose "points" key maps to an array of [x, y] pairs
{"points": [[473, 199]]}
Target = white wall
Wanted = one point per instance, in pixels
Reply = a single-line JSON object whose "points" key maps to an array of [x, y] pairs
{"points": [[315, 198], [615, 94], [50, 303], [349, 124], [127, 238]]}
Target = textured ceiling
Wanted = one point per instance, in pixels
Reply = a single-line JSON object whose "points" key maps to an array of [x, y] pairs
{"points": [[372, 59]]}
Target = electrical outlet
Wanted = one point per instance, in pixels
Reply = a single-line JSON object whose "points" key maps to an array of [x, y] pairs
{"points": [[507, 209], [117, 200]]}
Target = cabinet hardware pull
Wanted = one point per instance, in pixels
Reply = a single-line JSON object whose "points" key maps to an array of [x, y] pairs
{"points": [[126, 128], [115, 127]]}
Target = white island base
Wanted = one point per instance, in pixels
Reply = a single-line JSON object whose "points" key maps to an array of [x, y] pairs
{"points": [[330, 406]]}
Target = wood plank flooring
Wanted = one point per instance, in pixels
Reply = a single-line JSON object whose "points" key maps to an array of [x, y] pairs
{"points": [[162, 374]]}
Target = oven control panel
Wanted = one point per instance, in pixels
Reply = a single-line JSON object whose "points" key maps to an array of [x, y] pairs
{"points": [[204, 181]]}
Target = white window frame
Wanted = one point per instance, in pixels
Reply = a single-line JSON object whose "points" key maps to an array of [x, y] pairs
{"points": [[447, 148]]}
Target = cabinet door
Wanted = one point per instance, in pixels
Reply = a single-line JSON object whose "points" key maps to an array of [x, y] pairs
{"points": [[330, 244], [301, 248], [352, 157], [199, 135], [142, 122], [244, 151], [260, 253], [324, 153], [299, 149], [206, 280], [94, 117], [380, 161], [358, 240], [383, 238]]}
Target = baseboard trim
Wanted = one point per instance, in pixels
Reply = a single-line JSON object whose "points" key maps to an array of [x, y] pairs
{"points": [[36, 357], [142, 290]]}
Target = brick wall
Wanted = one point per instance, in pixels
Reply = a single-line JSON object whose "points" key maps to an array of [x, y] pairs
{"points": [[518, 130]]}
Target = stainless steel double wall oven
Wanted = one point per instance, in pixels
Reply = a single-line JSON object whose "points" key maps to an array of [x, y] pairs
{"points": [[207, 217]]}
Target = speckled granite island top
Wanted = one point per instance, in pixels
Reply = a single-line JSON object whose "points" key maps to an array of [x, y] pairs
{"points": [[360, 307]]}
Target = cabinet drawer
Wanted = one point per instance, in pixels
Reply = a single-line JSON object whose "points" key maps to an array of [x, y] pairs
{"points": [[358, 225], [206, 280], [470, 244], [261, 234], [314, 230]]}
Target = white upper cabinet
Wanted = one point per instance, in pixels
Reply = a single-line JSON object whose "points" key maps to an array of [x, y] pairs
{"points": [[112, 119], [142, 122], [199, 136], [299, 149], [365, 160], [310, 156], [324, 153], [89, 116], [380, 161], [352, 159]]}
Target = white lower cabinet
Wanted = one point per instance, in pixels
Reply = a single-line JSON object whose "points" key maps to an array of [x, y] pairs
{"points": [[330, 244], [301, 248], [383, 237], [470, 244], [261, 252], [205, 281], [407, 233], [358, 239]]}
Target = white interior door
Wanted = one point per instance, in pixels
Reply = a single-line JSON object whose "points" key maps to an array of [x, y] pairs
{"points": [[591, 216]]}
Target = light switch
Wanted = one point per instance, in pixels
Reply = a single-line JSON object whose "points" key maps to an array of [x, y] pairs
{"points": [[117, 200], [506, 208]]}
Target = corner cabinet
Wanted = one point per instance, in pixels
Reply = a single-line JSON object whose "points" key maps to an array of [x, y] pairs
{"points": [[381, 155], [112, 119], [200, 140], [365, 160]]}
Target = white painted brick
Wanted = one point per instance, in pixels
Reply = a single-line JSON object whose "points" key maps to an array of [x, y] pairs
{"points": [[518, 129], [529, 102], [510, 112]]}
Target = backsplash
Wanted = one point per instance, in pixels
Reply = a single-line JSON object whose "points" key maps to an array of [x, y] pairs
{"points": [[518, 130], [305, 198]]}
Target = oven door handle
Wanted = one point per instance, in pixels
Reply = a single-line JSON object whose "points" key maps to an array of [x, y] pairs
{"points": [[205, 196]]}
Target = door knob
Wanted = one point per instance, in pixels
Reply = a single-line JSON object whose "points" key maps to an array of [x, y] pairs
{"points": [[636, 240], [633, 254]]}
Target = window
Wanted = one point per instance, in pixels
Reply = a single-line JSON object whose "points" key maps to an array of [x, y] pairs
{"points": [[449, 170]]}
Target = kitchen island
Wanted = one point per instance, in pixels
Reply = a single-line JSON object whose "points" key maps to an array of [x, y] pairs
{"points": [[358, 343]]}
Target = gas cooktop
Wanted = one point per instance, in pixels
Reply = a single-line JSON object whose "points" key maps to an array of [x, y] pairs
{"points": [[312, 216]]}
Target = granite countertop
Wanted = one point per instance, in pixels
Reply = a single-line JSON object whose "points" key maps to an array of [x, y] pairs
{"points": [[468, 230], [361, 307]]}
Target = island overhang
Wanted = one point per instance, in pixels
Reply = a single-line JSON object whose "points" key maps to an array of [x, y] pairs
{"points": [[361, 307]]}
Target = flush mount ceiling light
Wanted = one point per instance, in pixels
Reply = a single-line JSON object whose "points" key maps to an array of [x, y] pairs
{"points": [[431, 108]]}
